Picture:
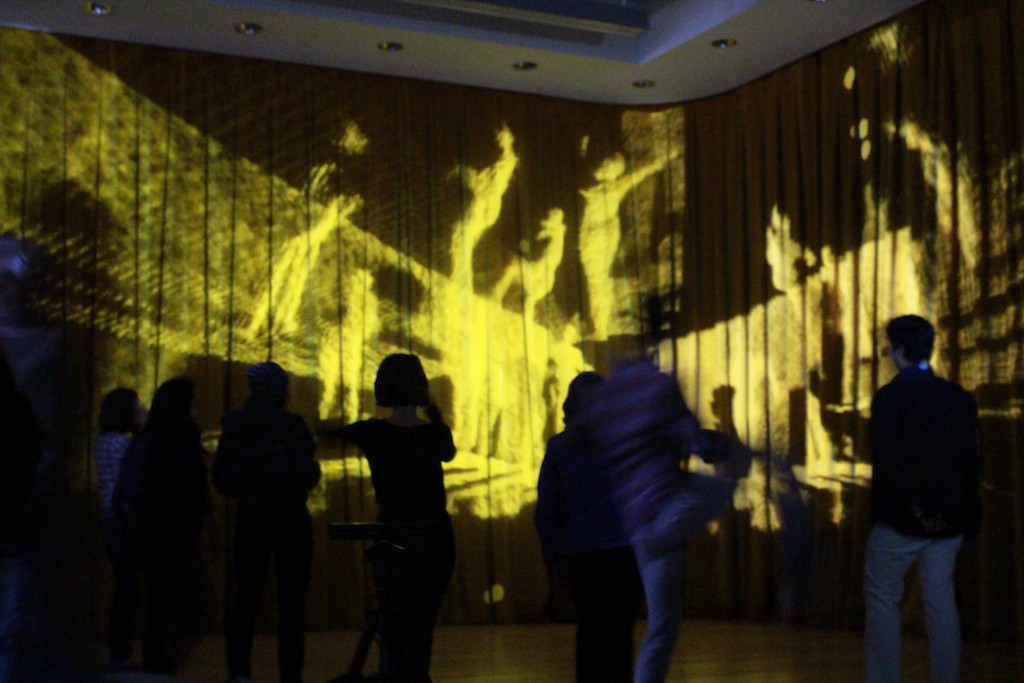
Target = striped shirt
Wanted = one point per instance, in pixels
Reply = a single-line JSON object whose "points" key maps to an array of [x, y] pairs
{"points": [[108, 451]]}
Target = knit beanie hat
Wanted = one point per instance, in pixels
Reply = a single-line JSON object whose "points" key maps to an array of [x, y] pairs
{"points": [[267, 378]]}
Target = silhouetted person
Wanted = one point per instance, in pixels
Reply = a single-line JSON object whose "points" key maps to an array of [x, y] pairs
{"points": [[265, 461], [925, 499], [581, 534], [161, 498], [21, 658], [405, 453], [121, 416], [642, 430]]}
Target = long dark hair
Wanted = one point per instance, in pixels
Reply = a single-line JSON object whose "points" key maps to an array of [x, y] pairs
{"points": [[170, 415]]}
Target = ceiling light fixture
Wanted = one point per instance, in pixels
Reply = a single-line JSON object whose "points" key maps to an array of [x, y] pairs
{"points": [[388, 46], [646, 83], [96, 9], [524, 66], [248, 28], [723, 43]]}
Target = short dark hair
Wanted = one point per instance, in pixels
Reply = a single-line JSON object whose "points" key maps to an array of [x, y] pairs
{"points": [[581, 393], [117, 411], [401, 382], [914, 335]]}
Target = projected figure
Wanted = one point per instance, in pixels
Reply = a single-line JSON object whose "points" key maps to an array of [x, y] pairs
{"points": [[121, 416], [265, 461], [601, 233], [925, 499], [405, 453], [582, 536], [537, 277], [161, 498], [486, 188], [642, 429]]}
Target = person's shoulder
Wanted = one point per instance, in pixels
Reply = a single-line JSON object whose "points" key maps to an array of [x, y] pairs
{"points": [[958, 393]]}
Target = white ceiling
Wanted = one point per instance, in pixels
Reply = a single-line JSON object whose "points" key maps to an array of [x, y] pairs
{"points": [[592, 50]]}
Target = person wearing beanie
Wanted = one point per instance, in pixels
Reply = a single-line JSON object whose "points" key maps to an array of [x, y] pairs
{"points": [[265, 462]]}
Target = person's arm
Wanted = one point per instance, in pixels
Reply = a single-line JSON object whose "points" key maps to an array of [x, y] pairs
{"points": [[223, 470], [885, 437], [548, 517], [445, 442], [309, 468]]}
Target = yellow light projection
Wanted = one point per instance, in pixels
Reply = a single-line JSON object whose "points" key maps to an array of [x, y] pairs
{"points": [[241, 276]]}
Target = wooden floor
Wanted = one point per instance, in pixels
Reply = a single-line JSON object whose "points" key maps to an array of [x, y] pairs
{"points": [[738, 651]]}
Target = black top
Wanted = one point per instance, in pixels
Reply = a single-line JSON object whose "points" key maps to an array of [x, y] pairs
{"points": [[927, 469], [265, 459], [161, 492], [405, 467]]}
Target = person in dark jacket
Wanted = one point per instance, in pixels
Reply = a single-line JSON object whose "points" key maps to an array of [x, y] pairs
{"points": [[161, 500], [265, 461], [925, 499], [582, 536]]}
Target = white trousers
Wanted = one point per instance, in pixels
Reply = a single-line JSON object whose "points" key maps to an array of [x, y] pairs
{"points": [[888, 558]]}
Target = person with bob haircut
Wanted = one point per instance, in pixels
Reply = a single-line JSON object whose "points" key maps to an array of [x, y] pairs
{"points": [[405, 452], [925, 499]]}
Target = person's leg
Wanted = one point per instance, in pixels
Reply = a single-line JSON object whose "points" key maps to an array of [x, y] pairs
{"points": [[662, 577], [294, 556], [425, 581], [124, 607], [888, 557], [251, 557], [607, 596], [937, 567]]}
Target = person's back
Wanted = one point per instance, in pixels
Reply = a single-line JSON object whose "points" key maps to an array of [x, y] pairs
{"points": [[265, 461], [925, 499], [926, 467]]}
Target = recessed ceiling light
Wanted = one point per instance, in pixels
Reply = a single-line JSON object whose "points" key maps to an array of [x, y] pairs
{"points": [[388, 46], [646, 83], [97, 9], [248, 28], [723, 43], [524, 66]]}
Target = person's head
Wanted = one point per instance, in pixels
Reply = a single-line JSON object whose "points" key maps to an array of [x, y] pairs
{"points": [[267, 381], [121, 412], [172, 407], [911, 339], [401, 382], [581, 393]]}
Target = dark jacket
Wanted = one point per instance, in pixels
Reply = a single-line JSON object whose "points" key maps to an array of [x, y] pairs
{"points": [[927, 470], [575, 513], [265, 459]]}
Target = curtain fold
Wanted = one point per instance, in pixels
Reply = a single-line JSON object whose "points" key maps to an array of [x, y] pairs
{"points": [[202, 213]]}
